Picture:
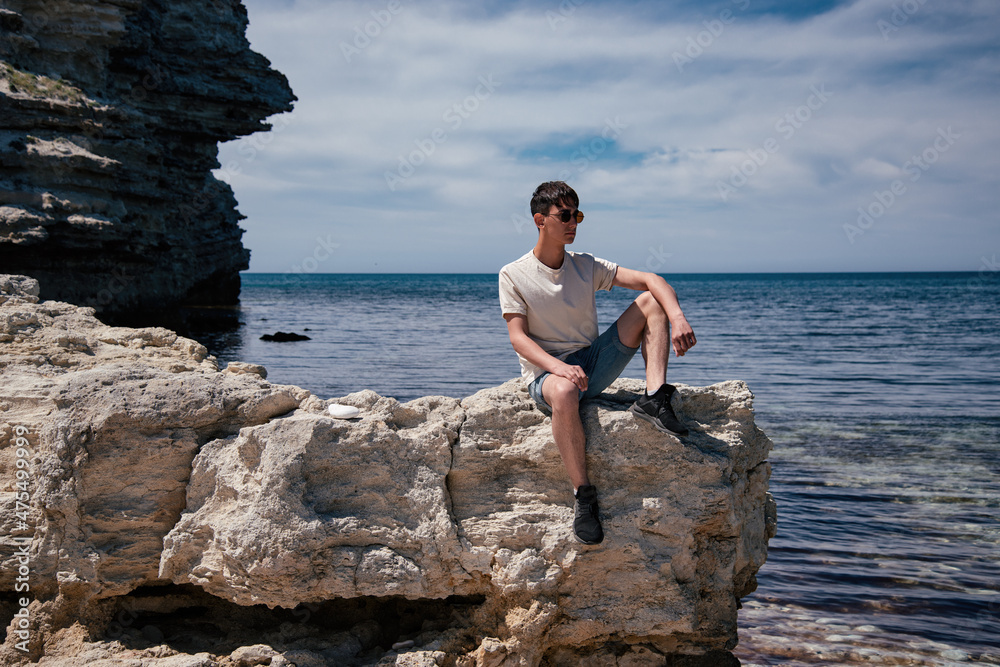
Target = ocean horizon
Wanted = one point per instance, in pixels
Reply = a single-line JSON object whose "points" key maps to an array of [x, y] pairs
{"points": [[980, 274]]}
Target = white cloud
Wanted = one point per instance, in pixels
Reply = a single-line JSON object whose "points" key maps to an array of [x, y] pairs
{"points": [[835, 105]]}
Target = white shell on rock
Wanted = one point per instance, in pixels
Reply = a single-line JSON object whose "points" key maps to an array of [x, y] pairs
{"points": [[338, 411]]}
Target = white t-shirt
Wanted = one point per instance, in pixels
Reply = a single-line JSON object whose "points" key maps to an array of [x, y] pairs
{"points": [[559, 303]]}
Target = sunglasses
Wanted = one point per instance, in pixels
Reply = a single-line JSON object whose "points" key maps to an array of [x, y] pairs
{"points": [[565, 215]]}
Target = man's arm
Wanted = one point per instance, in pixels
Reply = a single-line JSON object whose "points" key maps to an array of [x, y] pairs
{"points": [[517, 329], [681, 334]]}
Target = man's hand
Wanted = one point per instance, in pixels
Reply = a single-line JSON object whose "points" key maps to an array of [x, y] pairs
{"points": [[517, 327], [681, 336], [574, 374]]}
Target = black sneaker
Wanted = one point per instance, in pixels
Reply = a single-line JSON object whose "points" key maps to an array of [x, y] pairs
{"points": [[586, 524], [657, 411]]}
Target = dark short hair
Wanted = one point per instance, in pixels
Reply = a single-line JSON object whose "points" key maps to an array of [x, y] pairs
{"points": [[552, 194]]}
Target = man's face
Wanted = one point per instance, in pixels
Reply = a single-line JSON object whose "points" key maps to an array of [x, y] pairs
{"points": [[555, 228]]}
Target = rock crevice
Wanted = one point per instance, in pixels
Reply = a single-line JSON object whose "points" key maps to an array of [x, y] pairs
{"points": [[151, 469]]}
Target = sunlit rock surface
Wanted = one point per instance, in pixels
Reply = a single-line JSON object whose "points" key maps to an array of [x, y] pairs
{"points": [[179, 512]]}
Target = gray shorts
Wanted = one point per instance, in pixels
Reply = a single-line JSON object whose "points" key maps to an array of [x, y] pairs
{"points": [[603, 361]]}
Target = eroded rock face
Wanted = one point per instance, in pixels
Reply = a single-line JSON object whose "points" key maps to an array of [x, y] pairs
{"points": [[110, 117], [112, 418], [152, 468], [685, 521], [311, 508]]}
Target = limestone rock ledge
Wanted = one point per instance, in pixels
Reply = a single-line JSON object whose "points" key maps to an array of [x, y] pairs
{"points": [[160, 486], [111, 112]]}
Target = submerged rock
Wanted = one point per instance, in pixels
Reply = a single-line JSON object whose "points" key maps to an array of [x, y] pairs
{"points": [[285, 337], [158, 483]]}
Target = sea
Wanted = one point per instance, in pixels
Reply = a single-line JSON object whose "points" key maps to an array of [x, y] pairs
{"points": [[879, 391]]}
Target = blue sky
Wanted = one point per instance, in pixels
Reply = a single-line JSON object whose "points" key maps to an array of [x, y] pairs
{"points": [[727, 136]]}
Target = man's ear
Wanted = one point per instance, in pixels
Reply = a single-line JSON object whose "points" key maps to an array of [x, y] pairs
{"points": [[538, 220]]}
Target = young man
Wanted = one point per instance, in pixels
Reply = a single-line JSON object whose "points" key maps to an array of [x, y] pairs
{"points": [[547, 298]]}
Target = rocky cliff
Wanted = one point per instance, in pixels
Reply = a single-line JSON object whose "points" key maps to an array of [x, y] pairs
{"points": [[111, 112], [159, 511]]}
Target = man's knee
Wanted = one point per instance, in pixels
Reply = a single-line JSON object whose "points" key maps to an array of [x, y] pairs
{"points": [[650, 307], [560, 393]]}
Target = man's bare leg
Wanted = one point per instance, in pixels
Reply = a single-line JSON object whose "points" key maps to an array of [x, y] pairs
{"points": [[567, 430], [645, 322], [567, 427]]}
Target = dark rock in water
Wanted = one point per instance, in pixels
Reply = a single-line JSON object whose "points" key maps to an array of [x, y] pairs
{"points": [[284, 337], [111, 112]]}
